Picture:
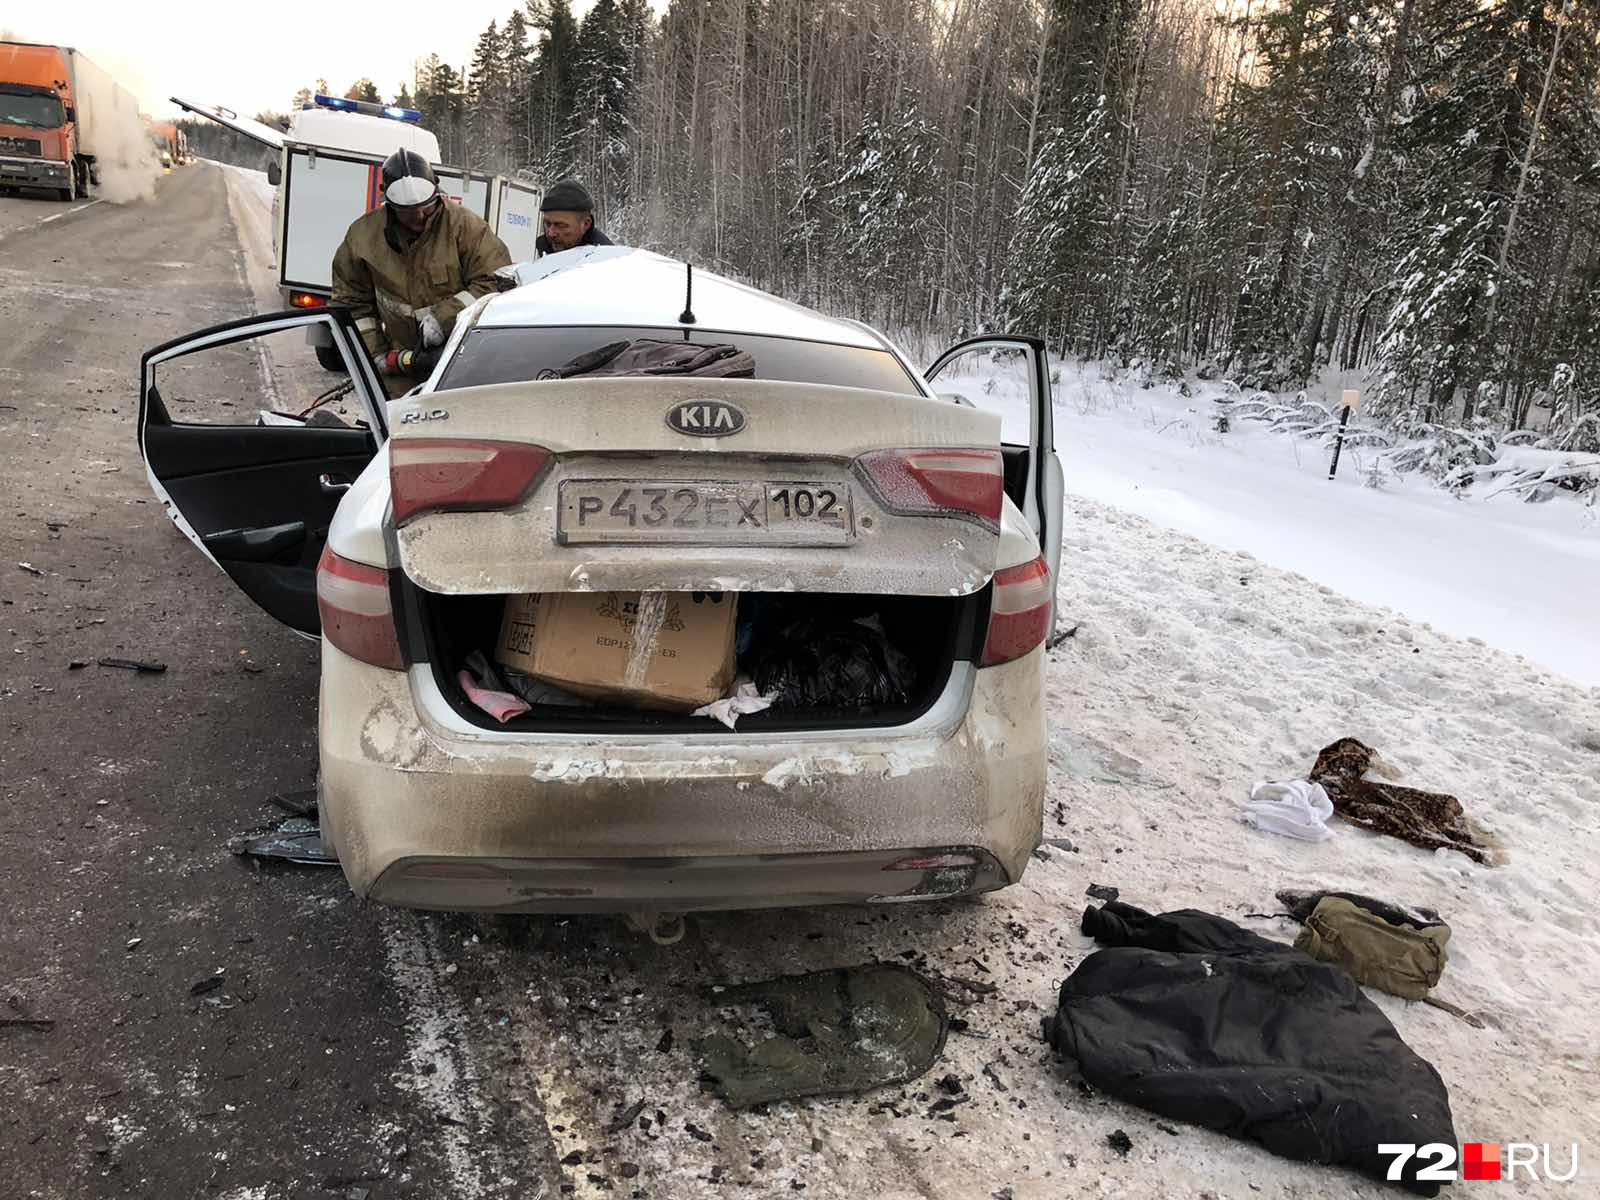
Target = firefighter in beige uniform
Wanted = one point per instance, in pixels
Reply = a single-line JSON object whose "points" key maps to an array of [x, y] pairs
{"points": [[408, 268]]}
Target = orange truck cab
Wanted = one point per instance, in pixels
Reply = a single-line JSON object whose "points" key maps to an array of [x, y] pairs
{"points": [[38, 142], [55, 105], [165, 135]]}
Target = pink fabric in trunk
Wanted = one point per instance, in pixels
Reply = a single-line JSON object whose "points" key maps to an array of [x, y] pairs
{"points": [[502, 706]]}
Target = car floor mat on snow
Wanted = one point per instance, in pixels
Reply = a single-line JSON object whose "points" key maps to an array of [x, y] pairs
{"points": [[838, 1032]]}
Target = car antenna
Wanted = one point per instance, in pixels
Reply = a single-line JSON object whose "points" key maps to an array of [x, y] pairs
{"points": [[686, 317]]}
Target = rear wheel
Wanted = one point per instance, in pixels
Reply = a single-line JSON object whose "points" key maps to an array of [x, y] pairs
{"points": [[331, 359]]}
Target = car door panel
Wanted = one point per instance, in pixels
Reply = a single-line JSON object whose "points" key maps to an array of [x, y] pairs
{"points": [[1033, 476], [258, 499]]}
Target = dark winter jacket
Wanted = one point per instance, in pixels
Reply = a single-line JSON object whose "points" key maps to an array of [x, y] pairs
{"points": [[593, 238], [1194, 1018]]}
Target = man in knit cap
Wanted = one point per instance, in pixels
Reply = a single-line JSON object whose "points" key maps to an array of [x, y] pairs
{"points": [[567, 212]]}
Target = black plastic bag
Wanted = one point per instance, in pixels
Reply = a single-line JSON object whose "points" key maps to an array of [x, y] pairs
{"points": [[820, 663]]}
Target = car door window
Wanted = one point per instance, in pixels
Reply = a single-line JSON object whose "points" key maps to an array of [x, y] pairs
{"points": [[996, 378], [249, 381]]}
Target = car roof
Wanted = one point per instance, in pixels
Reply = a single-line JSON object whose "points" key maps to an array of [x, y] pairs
{"points": [[619, 285]]}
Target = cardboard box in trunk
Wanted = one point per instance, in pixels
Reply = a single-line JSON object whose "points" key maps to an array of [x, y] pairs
{"points": [[671, 650]]}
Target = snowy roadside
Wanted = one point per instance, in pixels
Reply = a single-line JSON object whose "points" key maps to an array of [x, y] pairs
{"points": [[1520, 576], [1194, 672], [250, 204]]}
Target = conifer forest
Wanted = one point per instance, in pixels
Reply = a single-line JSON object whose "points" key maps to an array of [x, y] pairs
{"points": [[1267, 191]]}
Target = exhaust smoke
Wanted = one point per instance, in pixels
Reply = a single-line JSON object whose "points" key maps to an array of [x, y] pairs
{"points": [[126, 167]]}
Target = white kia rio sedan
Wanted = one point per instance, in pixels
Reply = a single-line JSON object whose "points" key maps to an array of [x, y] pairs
{"points": [[849, 489]]}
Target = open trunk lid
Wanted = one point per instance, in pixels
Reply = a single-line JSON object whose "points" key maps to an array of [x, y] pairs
{"points": [[690, 484]]}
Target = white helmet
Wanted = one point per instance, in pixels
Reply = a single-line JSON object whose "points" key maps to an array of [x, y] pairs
{"points": [[408, 180]]}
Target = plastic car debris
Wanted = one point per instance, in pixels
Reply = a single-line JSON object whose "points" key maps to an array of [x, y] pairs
{"points": [[129, 664], [297, 840], [297, 804]]}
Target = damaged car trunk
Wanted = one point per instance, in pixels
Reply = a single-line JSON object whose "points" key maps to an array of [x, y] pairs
{"points": [[829, 662], [836, 587]]}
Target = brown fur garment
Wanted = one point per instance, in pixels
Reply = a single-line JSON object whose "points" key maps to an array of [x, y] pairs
{"points": [[1427, 819]]}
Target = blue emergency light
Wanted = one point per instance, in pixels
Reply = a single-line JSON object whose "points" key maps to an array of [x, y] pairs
{"points": [[393, 112]]}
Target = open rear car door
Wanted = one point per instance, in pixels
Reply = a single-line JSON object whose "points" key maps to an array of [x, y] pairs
{"points": [[1008, 374], [250, 445]]}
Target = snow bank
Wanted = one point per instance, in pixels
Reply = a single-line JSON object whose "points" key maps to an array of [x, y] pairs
{"points": [[260, 189], [1519, 576]]}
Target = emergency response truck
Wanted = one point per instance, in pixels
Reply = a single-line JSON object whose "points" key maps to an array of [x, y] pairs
{"points": [[329, 172]]}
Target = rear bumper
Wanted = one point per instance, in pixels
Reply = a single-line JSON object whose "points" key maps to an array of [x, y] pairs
{"points": [[560, 885], [429, 816], [35, 172]]}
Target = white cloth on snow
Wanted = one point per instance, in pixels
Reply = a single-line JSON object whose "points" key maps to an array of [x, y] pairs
{"points": [[744, 698], [1296, 808]]}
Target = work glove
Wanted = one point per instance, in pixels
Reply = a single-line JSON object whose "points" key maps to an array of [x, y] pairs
{"points": [[429, 329], [382, 363]]}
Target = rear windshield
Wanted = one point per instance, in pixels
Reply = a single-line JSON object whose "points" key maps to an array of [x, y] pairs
{"points": [[509, 355]]}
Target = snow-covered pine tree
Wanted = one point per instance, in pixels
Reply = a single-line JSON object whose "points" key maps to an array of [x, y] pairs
{"points": [[1055, 233], [884, 215], [487, 103], [517, 62]]}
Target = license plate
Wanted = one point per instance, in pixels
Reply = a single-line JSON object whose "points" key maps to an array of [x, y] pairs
{"points": [[716, 513]]}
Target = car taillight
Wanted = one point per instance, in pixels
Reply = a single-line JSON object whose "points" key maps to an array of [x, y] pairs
{"points": [[1019, 612], [959, 483], [353, 600], [307, 300], [434, 474]]}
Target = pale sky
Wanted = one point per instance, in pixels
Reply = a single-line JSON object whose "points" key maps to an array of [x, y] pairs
{"points": [[255, 57]]}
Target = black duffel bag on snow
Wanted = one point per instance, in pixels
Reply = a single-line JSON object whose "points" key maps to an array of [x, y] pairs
{"points": [[1192, 1017]]}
